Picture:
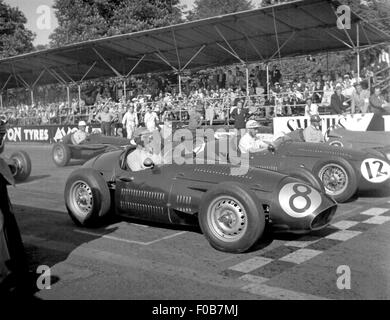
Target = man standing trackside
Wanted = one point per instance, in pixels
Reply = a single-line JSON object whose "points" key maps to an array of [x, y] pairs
{"points": [[105, 119], [130, 121]]}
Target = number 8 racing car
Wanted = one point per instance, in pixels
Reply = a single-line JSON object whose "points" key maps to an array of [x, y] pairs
{"points": [[232, 209]]}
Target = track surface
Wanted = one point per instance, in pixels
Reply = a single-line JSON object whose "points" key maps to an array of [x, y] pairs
{"points": [[129, 260]]}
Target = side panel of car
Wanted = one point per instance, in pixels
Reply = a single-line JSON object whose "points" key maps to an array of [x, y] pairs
{"points": [[144, 194]]}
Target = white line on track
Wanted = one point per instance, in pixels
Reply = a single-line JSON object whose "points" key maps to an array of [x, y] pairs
{"points": [[128, 240], [279, 293]]}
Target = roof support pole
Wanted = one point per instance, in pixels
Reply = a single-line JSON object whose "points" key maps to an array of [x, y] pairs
{"points": [[32, 97], [6, 83], [358, 50], [247, 80], [79, 93], [166, 61], [135, 66], [39, 77], [124, 89], [282, 46], [337, 38], [268, 80], [252, 44], [25, 84], [276, 35], [232, 52], [107, 63], [194, 56], [1, 100], [61, 81], [176, 49]]}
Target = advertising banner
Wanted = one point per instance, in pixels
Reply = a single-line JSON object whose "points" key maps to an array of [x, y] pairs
{"points": [[355, 122], [48, 134]]}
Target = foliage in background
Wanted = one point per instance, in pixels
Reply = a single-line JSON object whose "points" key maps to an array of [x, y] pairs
{"points": [[80, 20], [15, 38], [211, 8]]}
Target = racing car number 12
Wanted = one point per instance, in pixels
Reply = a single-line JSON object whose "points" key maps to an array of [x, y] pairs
{"points": [[299, 200], [375, 170]]}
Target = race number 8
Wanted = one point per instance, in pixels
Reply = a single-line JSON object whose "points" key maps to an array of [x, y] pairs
{"points": [[299, 200], [375, 170]]}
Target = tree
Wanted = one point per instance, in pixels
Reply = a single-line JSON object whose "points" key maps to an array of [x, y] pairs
{"points": [[15, 38], [211, 8], [81, 20]]}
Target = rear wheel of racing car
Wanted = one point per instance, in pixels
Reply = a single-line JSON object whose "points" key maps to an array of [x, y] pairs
{"points": [[22, 165], [87, 197], [61, 154], [338, 177], [231, 218]]}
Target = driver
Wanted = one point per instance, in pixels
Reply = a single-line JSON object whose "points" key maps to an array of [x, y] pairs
{"points": [[249, 142], [313, 132], [80, 135], [147, 147]]}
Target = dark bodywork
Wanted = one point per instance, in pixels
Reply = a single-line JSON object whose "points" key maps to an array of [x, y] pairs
{"points": [[290, 155], [94, 145], [172, 193]]}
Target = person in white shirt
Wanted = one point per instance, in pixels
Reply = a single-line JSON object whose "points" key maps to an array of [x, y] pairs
{"points": [[310, 108], [150, 119], [147, 148], [80, 135], [249, 143], [130, 121]]}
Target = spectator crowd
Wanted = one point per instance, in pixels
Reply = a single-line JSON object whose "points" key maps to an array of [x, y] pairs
{"points": [[214, 96]]}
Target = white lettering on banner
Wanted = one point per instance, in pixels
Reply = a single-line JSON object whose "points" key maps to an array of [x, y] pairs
{"points": [[14, 134], [60, 133], [356, 122], [36, 134]]}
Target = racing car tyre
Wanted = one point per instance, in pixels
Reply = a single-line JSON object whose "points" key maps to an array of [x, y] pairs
{"points": [[343, 172], [23, 164], [231, 217], [87, 197], [61, 154], [306, 176]]}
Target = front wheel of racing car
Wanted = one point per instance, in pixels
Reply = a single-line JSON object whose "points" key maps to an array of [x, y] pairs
{"points": [[61, 154], [231, 218], [338, 177], [22, 167], [87, 197]]}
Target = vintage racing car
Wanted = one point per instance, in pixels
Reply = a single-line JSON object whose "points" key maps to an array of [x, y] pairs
{"points": [[342, 171], [231, 209], [94, 145], [359, 140]]}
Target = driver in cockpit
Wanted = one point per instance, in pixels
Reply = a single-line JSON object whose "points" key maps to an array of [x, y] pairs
{"points": [[148, 147]]}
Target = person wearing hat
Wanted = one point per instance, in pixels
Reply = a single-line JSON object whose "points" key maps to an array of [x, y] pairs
{"points": [[80, 135], [148, 147], [313, 132], [249, 143]]}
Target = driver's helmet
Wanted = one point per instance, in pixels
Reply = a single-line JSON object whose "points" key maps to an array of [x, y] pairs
{"points": [[82, 124], [315, 119]]}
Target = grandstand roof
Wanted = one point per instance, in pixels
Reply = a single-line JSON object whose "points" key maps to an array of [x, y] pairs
{"points": [[300, 27]]}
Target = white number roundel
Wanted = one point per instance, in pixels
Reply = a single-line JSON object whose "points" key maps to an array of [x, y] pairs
{"points": [[375, 170], [299, 200]]}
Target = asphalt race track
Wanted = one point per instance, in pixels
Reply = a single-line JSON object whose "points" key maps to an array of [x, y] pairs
{"points": [[132, 260]]}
